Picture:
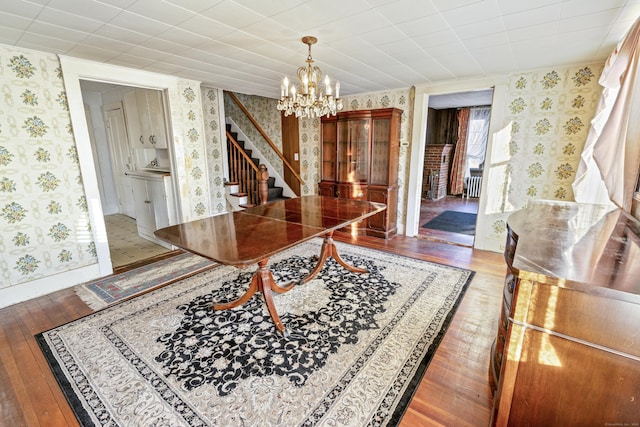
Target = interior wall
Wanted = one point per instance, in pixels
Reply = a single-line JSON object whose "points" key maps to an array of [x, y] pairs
{"points": [[442, 126], [45, 227], [52, 233], [538, 126]]}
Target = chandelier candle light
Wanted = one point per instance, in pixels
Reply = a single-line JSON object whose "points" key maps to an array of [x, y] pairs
{"points": [[309, 100]]}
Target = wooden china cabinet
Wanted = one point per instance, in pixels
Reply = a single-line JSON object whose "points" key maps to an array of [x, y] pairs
{"points": [[360, 161]]}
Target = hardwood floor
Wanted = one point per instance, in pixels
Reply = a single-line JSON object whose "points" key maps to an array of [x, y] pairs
{"points": [[454, 391], [430, 209]]}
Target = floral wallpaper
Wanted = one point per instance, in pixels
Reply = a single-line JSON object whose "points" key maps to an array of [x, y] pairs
{"points": [[265, 111], [189, 145], [44, 221], [550, 114], [309, 137], [214, 125]]}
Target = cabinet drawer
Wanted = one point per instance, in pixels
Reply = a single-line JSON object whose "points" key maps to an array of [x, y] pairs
{"points": [[351, 191]]}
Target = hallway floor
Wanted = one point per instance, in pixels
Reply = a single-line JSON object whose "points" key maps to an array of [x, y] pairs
{"points": [[429, 209]]}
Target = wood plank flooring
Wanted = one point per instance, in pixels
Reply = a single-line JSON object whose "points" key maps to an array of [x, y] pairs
{"points": [[429, 209], [454, 391]]}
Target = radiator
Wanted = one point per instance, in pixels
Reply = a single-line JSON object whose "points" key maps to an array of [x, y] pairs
{"points": [[433, 181], [473, 186]]}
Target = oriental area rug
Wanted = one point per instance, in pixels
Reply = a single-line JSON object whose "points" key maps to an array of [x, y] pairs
{"points": [[357, 347]]}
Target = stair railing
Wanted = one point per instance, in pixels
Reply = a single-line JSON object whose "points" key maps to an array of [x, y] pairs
{"points": [[251, 179], [265, 136]]}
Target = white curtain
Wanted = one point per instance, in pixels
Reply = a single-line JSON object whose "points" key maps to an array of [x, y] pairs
{"points": [[610, 160], [477, 137]]}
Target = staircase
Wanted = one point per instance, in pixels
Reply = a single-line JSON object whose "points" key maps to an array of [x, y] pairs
{"points": [[247, 192]]}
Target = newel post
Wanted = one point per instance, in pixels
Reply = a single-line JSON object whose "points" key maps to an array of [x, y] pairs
{"points": [[263, 186]]}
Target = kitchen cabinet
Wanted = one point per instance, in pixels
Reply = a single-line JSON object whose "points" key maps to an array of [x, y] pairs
{"points": [[360, 152], [154, 203], [144, 110]]}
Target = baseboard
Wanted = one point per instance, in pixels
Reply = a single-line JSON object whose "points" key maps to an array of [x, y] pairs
{"points": [[46, 285]]}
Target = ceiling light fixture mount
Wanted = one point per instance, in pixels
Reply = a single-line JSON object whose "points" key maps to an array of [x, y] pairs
{"points": [[309, 100]]}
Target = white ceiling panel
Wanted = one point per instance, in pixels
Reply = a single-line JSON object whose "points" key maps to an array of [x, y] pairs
{"points": [[424, 25], [57, 31], [583, 7], [195, 6], [473, 12], [69, 20], [15, 22], [11, 36], [508, 7], [533, 17], [407, 10], [207, 27], [492, 61], [161, 11], [132, 61], [139, 23], [532, 32], [235, 15], [21, 8], [91, 9], [248, 45], [481, 29], [42, 42], [498, 41]]}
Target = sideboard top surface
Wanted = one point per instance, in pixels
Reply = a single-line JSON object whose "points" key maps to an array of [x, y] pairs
{"points": [[589, 247]]}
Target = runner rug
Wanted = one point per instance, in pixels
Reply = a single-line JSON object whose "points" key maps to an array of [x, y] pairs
{"points": [[108, 290], [453, 221], [358, 345]]}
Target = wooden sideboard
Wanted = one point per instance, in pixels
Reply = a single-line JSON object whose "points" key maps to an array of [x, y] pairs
{"points": [[567, 350]]}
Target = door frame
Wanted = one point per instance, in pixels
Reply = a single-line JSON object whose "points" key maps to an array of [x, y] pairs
{"points": [[74, 70], [291, 149], [419, 134]]}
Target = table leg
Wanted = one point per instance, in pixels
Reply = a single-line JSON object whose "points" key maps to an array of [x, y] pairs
{"points": [[329, 250], [262, 281]]}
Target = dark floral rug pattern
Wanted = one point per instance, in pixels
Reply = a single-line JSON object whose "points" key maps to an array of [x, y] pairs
{"points": [[226, 347]]}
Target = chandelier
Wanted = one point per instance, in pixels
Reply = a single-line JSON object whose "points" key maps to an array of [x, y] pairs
{"points": [[309, 100]]}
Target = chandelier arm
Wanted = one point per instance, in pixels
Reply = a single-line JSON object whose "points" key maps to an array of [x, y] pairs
{"points": [[310, 100]]}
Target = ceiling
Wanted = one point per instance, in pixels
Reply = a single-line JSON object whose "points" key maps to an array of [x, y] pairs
{"points": [[248, 46]]}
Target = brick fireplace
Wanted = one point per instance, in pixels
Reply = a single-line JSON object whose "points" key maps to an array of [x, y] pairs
{"points": [[436, 170]]}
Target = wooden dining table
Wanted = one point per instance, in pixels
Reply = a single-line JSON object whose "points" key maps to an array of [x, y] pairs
{"points": [[253, 235]]}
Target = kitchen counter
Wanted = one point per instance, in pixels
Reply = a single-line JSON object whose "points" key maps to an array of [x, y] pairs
{"points": [[148, 173]]}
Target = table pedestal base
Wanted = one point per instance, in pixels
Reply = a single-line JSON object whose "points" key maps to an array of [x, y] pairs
{"points": [[329, 250], [262, 281]]}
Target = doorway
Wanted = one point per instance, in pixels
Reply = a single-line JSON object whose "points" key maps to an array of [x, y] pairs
{"points": [[455, 146], [114, 157], [290, 150]]}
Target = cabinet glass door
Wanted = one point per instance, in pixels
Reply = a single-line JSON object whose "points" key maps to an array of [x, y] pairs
{"points": [[353, 147], [380, 152], [329, 151]]}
